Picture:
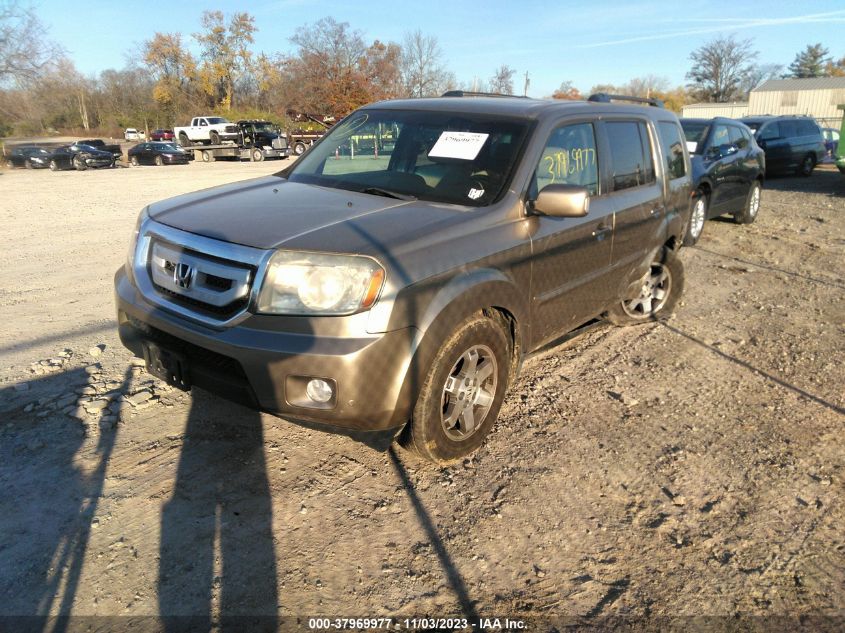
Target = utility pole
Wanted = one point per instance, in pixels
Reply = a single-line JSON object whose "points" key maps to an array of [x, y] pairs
{"points": [[527, 81]]}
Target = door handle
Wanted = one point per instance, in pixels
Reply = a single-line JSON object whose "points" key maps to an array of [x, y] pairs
{"points": [[601, 231]]}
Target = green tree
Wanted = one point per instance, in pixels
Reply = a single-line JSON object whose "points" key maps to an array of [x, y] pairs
{"points": [[811, 62]]}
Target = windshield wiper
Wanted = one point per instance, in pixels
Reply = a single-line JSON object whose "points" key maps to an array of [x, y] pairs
{"points": [[378, 191]]}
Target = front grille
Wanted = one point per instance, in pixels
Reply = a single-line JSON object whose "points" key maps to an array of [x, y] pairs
{"points": [[205, 284], [231, 129], [279, 143]]}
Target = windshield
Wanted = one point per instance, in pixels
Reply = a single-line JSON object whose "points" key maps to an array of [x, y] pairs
{"points": [[754, 125], [695, 133], [214, 120], [85, 148], [451, 157], [265, 127]]}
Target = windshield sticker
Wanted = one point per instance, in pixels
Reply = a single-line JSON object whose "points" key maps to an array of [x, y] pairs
{"points": [[692, 146], [475, 194], [461, 145]]}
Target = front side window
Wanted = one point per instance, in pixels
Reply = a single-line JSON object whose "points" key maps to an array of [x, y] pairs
{"points": [[630, 154], [770, 131], [789, 129], [454, 157], [673, 150], [569, 158], [737, 138]]}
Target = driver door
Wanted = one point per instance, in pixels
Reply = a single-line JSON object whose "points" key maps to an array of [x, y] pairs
{"points": [[570, 256]]}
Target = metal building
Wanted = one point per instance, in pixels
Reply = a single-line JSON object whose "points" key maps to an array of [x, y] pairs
{"points": [[816, 96]]}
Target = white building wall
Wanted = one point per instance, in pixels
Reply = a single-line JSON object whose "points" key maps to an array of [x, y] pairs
{"points": [[709, 110], [820, 104]]}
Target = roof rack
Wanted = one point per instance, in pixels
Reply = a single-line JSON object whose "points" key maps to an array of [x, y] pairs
{"points": [[603, 97], [468, 93]]}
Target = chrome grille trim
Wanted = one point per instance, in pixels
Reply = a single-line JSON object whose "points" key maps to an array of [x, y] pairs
{"points": [[251, 260]]}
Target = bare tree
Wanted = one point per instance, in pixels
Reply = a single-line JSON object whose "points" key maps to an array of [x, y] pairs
{"points": [[502, 80], [24, 51], [720, 67], [758, 74], [423, 72]]}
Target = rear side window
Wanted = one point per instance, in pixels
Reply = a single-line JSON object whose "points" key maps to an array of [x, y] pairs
{"points": [[673, 150], [807, 128], [630, 154], [569, 158], [789, 129], [737, 138]]}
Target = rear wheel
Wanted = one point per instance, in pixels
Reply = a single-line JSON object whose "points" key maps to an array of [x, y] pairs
{"points": [[752, 206], [662, 287], [159, 161], [54, 166], [134, 161], [207, 156], [697, 219], [183, 139], [79, 164], [462, 393], [807, 166], [299, 148], [27, 164]]}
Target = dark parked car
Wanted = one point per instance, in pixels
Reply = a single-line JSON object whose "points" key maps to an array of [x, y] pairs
{"points": [[159, 154], [793, 144], [29, 157], [101, 145], [162, 135], [80, 157], [404, 290], [728, 169]]}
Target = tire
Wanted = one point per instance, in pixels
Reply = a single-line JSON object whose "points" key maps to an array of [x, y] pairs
{"points": [[134, 161], [27, 164], [299, 148], [808, 164], [214, 137], [698, 216], [663, 284], [207, 156], [752, 206], [257, 155], [79, 164], [443, 429], [183, 139], [54, 166], [159, 161]]}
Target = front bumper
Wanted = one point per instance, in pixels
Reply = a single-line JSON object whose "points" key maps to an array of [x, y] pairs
{"points": [[177, 160], [257, 365], [276, 153], [99, 162]]}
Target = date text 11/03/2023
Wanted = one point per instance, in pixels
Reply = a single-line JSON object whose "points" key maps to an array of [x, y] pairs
{"points": [[416, 624]]}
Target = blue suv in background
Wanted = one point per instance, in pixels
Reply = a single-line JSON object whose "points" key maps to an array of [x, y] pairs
{"points": [[793, 144], [728, 169]]}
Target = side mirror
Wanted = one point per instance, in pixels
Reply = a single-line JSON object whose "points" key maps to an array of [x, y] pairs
{"points": [[562, 201]]}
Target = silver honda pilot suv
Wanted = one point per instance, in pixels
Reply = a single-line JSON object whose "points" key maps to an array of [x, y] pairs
{"points": [[394, 278]]}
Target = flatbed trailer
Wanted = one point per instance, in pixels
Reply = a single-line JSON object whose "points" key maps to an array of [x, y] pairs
{"points": [[210, 153]]}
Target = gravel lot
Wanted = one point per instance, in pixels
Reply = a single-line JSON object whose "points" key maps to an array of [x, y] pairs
{"points": [[686, 469]]}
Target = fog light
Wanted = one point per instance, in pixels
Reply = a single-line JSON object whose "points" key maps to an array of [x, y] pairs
{"points": [[319, 390]]}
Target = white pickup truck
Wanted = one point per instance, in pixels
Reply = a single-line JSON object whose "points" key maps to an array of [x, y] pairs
{"points": [[206, 130]]}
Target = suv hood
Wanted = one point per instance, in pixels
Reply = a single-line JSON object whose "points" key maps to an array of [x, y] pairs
{"points": [[266, 212]]}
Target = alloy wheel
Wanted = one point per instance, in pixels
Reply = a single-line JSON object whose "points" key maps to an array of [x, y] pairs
{"points": [[469, 392]]}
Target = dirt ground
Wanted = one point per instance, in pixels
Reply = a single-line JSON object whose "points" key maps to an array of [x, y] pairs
{"points": [[695, 468]]}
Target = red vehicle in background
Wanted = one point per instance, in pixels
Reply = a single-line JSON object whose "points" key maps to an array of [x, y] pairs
{"points": [[161, 135]]}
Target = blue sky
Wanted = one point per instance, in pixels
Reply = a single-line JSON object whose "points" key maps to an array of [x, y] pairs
{"points": [[584, 42]]}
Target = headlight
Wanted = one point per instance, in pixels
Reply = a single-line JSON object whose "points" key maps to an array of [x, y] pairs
{"points": [[311, 283], [133, 243]]}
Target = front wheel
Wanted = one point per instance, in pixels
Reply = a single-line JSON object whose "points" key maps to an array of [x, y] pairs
{"points": [[661, 289], [697, 219], [159, 161], [752, 206], [134, 161], [462, 392], [54, 166], [214, 137], [79, 164], [257, 155]]}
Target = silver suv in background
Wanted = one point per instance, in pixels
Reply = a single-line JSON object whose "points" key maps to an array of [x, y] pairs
{"points": [[395, 277]]}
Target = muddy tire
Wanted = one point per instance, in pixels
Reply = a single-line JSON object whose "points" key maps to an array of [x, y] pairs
{"points": [[462, 393], [808, 164], [662, 288], [752, 206], [698, 216]]}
